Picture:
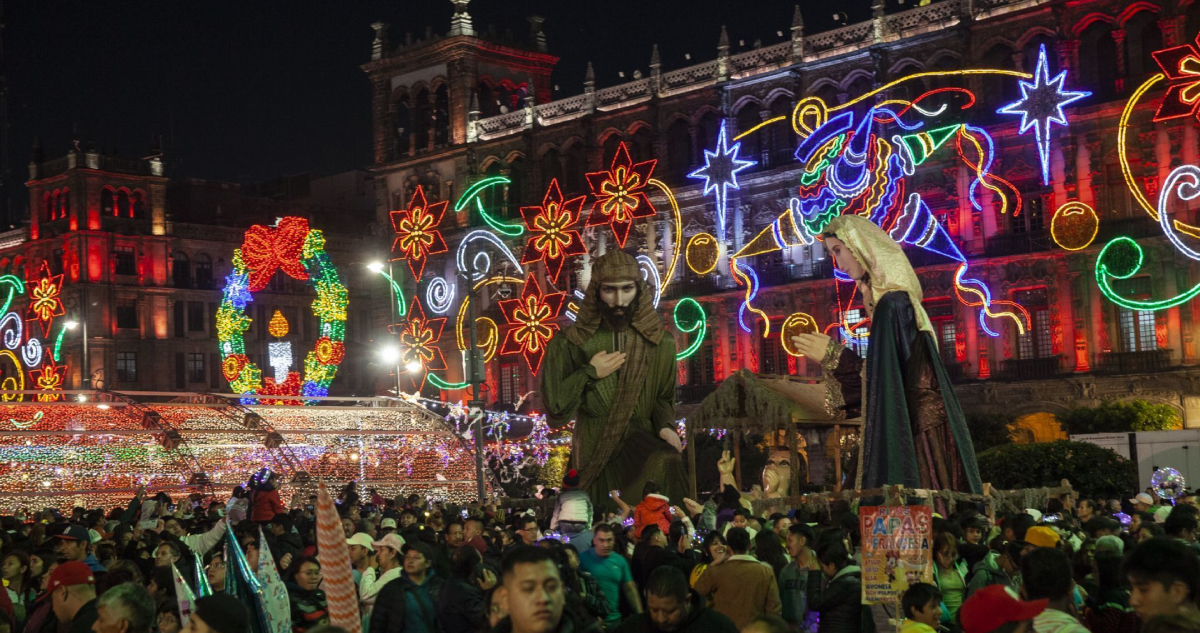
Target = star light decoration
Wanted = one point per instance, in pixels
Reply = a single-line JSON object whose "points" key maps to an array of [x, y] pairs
{"points": [[1041, 105], [1181, 64], [550, 236], [533, 314], [417, 235], [45, 300], [620, 195], [720, 170], [419, 342]]}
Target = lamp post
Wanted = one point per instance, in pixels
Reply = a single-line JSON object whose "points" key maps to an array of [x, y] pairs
{"points": [[391, 356], [475, 376]]}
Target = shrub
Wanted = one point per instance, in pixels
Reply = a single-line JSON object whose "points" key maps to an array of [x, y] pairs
{"points": [[988, 430], [1120, 417], [1093, 471]]}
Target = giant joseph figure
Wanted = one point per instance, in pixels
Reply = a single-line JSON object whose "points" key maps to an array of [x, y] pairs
{"points": [[614, 373]]}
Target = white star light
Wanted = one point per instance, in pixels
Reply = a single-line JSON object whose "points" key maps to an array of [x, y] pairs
{"points": [[1041, 104], [720, 170]]}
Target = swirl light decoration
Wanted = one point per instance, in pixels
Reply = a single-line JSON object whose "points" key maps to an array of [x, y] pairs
{"points": [[696, 325], [297, 250]]}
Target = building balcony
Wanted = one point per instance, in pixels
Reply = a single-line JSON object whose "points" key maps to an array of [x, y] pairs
{"points": [[1030, 368], [695, 287], [1135, 362], [692, 394], [1018, 243]]}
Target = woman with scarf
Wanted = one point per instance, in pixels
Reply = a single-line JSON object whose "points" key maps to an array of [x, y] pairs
{"points": [[309, 606], [914, 432]]}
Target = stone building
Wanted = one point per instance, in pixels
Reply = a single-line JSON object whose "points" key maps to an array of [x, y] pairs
{"points": [[450, 110]]}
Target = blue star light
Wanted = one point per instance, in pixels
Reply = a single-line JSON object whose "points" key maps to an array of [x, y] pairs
{"points": [[720, 170], [1040, 105]]}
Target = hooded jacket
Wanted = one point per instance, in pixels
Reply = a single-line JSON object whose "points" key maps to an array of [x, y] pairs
{"points": [[654, 509], [700, 619], [840, 603], [988, 572], [266, 504]]}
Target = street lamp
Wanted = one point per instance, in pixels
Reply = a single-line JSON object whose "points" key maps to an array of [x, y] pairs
{"points": [[390, 355], [375, 267], [413, 367]]}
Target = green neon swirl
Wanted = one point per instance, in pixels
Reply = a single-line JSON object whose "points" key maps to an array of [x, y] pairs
{"points": [[15, 285], [397, 293], [442, 384], [1102, 275], [700, 324], [508, 230], [58, 342], [474, 190]]}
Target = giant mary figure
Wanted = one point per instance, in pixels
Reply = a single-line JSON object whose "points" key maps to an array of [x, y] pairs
{"points": [[614, 373], [914, 432]]}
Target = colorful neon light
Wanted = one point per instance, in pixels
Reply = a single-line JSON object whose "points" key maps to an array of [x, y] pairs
{"points": [[649, 274], [552, 240], [419, 342], [533, 315], [15, 286], [720, 170], [698, 326], [1181, 65], [1074, 226], [417, 235], [397, 293], [620, 194], [447, 386], [797, 323], [1041, 106], [507, 230], [678, 219], [481, 264], [701, 253], [45, 299], [476, 188], [439, 295]]}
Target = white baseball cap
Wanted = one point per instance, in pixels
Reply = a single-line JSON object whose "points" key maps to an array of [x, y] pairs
{"points": [[1143, 497], [362, 539], [391, 540]]}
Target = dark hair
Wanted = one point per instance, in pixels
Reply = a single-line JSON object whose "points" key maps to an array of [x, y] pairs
{"points": [[768, 549], [1054, 505], [676, 532], [300, 562], [648, 532], [464, 561], [1174, 623], [602, 527], [1108, 572], [1154, 528], [453, 521], [164, 580], [22, 561], [668, 582], [526, 555], [738, 540], [833, 554], [945, 540], [918, 596], [1046, 573], [1165, 561], [709, 540], [741, 512], [800, 529], [1179, 521], [773, 623], [173, 545], [1020, 524], [523, 521], [650, 488]]}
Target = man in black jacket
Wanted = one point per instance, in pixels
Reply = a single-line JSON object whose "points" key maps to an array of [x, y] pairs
{"points": [[840, 602], [417, 590], [672, 606]]}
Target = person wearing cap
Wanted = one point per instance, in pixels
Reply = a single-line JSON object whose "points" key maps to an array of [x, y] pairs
{"points": [[572, 508], [1046, 575], [1042, 536], [75, 544], [1163, 577], [999, 567], [387, 526], [361, 548], [218, 613], [388, 557], [409, 604], [997, 607], [72, 591], [1143, 502]]}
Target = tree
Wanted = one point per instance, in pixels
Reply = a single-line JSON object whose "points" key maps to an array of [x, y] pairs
{"points": [[1093, 471], [989, 429], [1112, 416]]}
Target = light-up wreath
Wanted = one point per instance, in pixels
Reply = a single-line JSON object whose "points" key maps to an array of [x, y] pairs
{"points": [[292, 247]]}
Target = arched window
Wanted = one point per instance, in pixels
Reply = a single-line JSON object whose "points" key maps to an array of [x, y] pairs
{"points": [[204, 272], [1098, 62], [679, 148], [752, 146], [122, 209], [551, 167], [610, 150], [999, 89], [1142, 37], [108, 202], [403, 126], [441, 116], [518, 173], [181, 272], [943, 63], [641, 146], [137, 205], [909, 89], [493, 197], [64, 204], [783, 140], [575, 164], [828, 93], [707, 131], [858, 88], [48, 206], [422, 117]]}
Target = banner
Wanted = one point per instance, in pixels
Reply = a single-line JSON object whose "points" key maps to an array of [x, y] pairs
{"points": [[897, 550], [183, 597]]}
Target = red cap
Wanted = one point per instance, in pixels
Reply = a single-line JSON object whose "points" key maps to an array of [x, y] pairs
{"points": [[994, 606], [70, 573]]}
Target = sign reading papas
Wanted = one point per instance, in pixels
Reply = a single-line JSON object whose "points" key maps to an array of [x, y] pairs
{"points": [[897, 551]]}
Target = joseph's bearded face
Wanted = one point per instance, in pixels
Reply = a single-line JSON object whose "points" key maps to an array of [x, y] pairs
{"points": [[618, 301]]}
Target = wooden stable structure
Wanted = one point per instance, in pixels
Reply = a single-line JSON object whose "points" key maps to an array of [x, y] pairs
{"points": [[798, 408]]}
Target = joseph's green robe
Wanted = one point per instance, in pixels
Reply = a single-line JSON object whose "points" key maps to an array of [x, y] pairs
{"points": [[570, 390]]}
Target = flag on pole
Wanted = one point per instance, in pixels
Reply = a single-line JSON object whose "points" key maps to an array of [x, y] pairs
{"points": [[202, 586], [242, 583], [334, 556], [183, 597], [276, 608]]}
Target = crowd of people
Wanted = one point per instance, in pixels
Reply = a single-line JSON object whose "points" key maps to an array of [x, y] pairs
{"points": [[424, 566]]}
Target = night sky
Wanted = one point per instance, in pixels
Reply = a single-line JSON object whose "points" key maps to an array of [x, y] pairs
{"points": [[250, 90]]}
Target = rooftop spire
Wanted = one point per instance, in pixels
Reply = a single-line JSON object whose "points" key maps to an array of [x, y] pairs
{"points": [[460, 22]]}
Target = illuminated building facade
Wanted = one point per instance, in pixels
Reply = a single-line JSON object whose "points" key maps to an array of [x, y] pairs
{"points": [[452, 110]]}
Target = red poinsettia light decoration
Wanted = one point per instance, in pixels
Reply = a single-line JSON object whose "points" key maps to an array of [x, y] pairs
{"points": [[49, 377], [550, 236], [45, 299], [620, 194], [1182, 67], [417, 235], [419, 342], [533, 316]]}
